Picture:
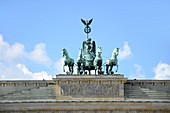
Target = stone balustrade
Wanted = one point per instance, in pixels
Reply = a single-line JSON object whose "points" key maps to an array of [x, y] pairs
{"points": [[148, 89]]}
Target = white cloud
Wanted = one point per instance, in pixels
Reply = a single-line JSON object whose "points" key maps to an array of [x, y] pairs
{"points": [[36, 75], [139, 72], [162, 71], [59, 66], [12, 57], [10, 53], [125, 52], [15, 52], [10, 71], [21, 72], [39, 55]]}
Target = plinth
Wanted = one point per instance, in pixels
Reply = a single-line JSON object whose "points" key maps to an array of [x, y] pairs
{"points": [[89, 87]]}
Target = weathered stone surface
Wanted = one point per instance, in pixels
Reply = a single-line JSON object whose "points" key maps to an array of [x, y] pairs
{"points": [[90, 90], [86, 107], [148, 89], [90, 87], [81, 94], [26, 90]]}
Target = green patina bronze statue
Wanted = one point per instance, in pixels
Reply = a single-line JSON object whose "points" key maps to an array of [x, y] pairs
{"points": [[113, 61], [88, 51], [67, 61], [98, 61], [88, 59]]}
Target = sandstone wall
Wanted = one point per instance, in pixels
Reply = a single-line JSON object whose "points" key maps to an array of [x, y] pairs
{"points": [[147, 89], [40, 96]]}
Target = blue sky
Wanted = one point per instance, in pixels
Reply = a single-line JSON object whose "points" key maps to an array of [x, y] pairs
{"points": [[32, 34]]}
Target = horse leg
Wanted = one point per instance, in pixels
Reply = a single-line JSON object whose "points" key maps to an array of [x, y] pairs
{"points": [[95, 69], [84, 70], [81, 69], [107, 69], [89, 72], [110, 70], [100, 70], [72, 70], [78, 70], [69, 69], [116, 67]]}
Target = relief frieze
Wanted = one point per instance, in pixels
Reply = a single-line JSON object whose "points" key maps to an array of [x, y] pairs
{"points": [[90, 90]]}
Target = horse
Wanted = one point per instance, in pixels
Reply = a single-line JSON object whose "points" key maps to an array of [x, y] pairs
{"points": [[98, 61], [113, 61], [80, 63], [67, 61]]}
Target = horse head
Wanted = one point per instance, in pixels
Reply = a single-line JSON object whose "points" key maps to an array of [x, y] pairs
{"points": [[64, 52], [115, 53], [98, 55], [99, 51]]}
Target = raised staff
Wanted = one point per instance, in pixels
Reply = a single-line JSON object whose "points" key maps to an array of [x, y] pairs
{"points": [[87, 29]]}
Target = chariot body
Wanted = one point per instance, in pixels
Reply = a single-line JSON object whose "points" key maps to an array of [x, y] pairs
{"points": [[86, 56]]}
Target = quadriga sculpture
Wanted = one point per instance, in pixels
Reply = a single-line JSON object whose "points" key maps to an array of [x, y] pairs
{"points": [[88, 59], [67, 61], [98, 61], [113, 61]]}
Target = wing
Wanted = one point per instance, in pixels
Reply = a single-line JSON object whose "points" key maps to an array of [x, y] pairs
{"points": [[83, 21], [90, 21]]}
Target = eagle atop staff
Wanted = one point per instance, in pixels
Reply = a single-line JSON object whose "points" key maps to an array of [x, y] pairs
{"points": [[87, 23], [87, 29]]}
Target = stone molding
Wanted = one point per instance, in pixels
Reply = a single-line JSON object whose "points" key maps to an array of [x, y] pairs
{"points": [[86, 107]]}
